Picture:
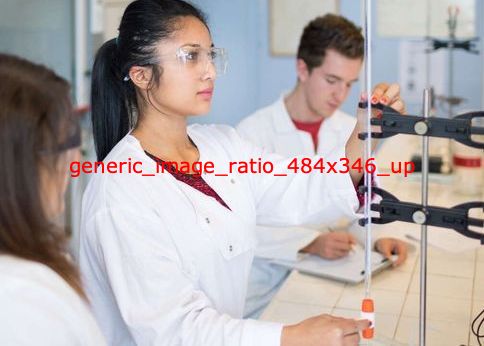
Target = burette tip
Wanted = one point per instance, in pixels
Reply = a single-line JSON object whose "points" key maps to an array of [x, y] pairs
{"points": [[368, 313]]}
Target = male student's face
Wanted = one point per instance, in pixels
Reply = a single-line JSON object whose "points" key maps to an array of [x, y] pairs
{"points": [[327, 86]]}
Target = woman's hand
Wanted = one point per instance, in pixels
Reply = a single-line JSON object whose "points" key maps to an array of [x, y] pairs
{"points": [[387, 94], [324, 330]]}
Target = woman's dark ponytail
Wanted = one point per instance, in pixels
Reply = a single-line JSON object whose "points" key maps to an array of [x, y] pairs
{"points": [[114, 104], [110, 117]]}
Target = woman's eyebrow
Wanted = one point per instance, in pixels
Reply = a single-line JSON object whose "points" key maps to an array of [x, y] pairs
{"points": [[196, 45]]}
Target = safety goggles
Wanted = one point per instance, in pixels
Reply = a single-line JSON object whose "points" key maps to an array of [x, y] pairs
{"points": [[69, 139], [197, 59]]}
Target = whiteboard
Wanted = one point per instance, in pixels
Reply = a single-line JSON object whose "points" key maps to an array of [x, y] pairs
{"points": [[413, 73], [112, 13], [419, 18], [288, 19]]}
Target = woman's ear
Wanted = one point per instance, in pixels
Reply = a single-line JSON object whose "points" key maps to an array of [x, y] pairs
{"points": [[141, 76]]}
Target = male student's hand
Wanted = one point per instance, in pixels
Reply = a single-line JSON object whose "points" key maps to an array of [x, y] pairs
{"points": [[331, 245], [391, 246]]}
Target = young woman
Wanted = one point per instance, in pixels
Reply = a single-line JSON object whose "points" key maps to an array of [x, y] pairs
{"points": [[41, 298], [166, 256]]}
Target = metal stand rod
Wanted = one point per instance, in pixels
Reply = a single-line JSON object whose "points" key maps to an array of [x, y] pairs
{"points": [[452, 24], [367, 152], [451, 78], [423, 238]]}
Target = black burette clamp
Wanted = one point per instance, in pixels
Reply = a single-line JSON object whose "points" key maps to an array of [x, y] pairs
{"points": [[391, 209], [392, 123]]}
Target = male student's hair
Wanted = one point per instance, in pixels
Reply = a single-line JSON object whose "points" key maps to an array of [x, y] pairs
{"points": [[330, 32]]}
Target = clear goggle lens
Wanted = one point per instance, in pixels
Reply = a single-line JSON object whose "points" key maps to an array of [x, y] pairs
{"points": [[199, 58]]}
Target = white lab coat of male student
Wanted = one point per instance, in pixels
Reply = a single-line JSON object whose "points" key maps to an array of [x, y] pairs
{"points": [[271, 128], [165, 264]]}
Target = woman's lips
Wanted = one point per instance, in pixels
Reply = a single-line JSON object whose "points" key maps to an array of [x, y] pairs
{"points": [[206, 94]]}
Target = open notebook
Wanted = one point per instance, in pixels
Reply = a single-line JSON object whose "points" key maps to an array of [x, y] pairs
{"points": [[350, 269]]}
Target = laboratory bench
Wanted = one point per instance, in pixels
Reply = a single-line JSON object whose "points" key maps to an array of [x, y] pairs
{"points": [[455, 276]]}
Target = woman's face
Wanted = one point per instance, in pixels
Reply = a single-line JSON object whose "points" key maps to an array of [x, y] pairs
{"points": [[54, 183], [185, 88]]}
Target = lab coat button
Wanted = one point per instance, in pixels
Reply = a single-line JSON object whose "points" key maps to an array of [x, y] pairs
{"points": [[230, 248], [232, 181], [207, 220]]}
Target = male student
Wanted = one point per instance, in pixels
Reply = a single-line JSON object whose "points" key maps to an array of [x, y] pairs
{"points": [[305, 122]]}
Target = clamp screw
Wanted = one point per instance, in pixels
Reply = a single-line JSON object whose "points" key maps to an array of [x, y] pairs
{"points": [[419, 217], [421, 128]]}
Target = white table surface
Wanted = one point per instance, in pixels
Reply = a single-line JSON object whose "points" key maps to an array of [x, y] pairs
{"points": [[455, 281]]}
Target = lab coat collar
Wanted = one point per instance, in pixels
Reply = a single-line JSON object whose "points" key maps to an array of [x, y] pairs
{"points": [[283, 123], [281, 118], [221, 185], [152, 164]]}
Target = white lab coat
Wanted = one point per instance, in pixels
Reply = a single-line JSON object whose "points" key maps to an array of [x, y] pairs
{"points": [[37, 307], [164, 264], [271, 128]]}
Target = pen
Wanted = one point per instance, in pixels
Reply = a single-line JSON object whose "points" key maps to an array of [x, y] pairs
{"points": [[411, 237], [382, 261]]}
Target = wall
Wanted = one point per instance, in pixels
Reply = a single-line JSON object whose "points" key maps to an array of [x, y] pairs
{"points": [[255, 78], [41, 31]]}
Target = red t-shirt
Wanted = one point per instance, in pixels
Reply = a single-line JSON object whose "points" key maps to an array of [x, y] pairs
{"points": [[312, 128]]}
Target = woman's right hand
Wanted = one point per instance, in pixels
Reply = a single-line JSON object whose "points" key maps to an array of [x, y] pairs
{"points": [[324, 330]]}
